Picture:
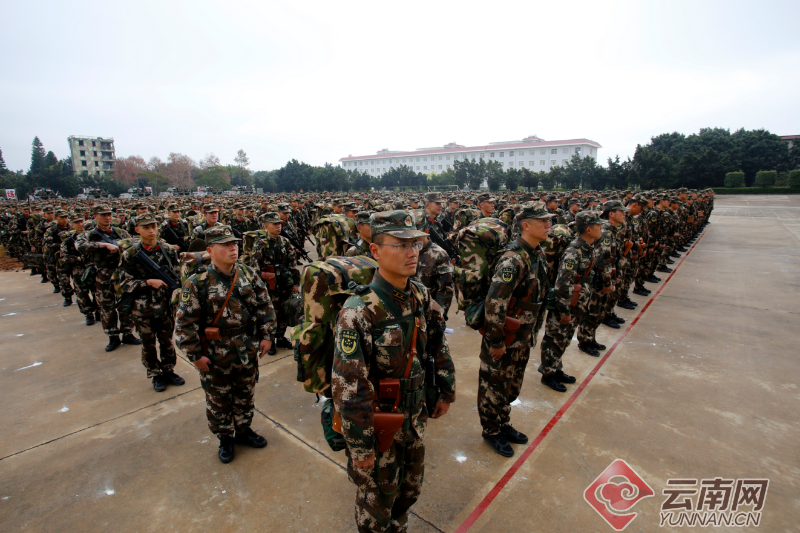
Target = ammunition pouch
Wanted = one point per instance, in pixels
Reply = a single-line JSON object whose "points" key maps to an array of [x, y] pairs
{"points": [[268, 275]]}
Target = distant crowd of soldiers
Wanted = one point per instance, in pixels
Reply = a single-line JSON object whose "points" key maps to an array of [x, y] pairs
{"points": [[568, 260]]}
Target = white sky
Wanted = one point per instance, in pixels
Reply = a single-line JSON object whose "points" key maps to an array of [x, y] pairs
{"points": [[317, 81]]}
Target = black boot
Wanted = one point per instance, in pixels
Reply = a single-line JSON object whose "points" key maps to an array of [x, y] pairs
{"points": [[67, 301], [283, 342], [44, 279], [171, 378], [248, 437], [97, 316], [626, 304], [675, 255], [670, 262], [664, 269], [56, 290], [553, 383], [33, 272], [641, 291], [272, 349], [610, 322], [113, 343], [90, 319], [652, 279], [588, 348], [158, 383], [598, 346], [563, 378], [128, 338], [226, 449], [513, 436], [500, 444], [616, 319]]}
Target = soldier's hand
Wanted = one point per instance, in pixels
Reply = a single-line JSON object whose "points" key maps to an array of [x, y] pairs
{"points": [[156, 283], [367, 464], [110, 247], [33, 248], [203, 363], [441, 408], [566, 319], [264, 347], [496, 354], [606, 290]]}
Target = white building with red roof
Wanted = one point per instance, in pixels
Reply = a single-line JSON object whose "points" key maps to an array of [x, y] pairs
{"points": [[533, 153]]}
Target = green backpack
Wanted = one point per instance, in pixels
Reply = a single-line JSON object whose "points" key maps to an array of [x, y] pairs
{"points": [[480, 245], [334, 235]]}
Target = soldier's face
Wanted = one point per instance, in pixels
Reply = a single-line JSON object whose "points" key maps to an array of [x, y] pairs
{"points": [[487, 208], [350, 214], [103, 220], [364, 231], [224, 254], [284, 215], [273, 228], [536, 228], [147, 233], [434, 208], [395, 260], [453, 206], [62, 221], [174, 216], [337, 209], [239, 212], [617, 216], [212, 217], [634, 208], [78, 226], [594, 231]]}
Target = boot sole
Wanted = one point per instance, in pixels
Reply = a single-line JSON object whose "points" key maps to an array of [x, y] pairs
{"points": [[497, 451]]}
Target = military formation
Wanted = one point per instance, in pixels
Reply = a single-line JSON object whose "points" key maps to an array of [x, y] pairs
{"points": [[223, 280]]}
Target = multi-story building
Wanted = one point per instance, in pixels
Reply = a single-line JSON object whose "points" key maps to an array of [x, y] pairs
{"points": [[94, 155], [531, 152]]}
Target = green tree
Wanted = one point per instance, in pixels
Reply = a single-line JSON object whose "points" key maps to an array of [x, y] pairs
{"points": [[216, 177], [513, 179], [37, 157], [3, 167]]}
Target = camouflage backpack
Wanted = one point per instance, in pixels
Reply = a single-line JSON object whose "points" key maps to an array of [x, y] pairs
{"points": [[249, 239], [334, 235], [325, 286], [558, 238], [480, 245]]}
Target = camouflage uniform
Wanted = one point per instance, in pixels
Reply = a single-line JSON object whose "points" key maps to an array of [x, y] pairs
{"points": [[359, 248], [151, 309], [279, 253], [50, 259], [521, 274], [248, 319], [365, 354], [435, 271], [605, 270], [107, 264], [56, 270], [77, 267], [180, 228]]}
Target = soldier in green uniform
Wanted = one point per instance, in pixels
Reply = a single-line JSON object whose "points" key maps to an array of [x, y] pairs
{"points": [[275, 260], [52, 249], [47, 246], [211, 219], [384, 332], [575, 268], [228, 362], [518, 290], [178, 226], [361, 247], [149, 299], [77, 264]]}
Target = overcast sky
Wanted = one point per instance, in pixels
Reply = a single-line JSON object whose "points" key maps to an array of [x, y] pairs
{"points": [[316, 81]]}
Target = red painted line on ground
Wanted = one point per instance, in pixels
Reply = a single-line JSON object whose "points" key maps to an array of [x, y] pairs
{"points": [[489, 498]]}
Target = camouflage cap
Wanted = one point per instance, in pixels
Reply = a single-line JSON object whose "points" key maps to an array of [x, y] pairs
{"points": [[433, 197], [210, 208], [486, 197], [350, 206], [639, 199], [76, 217], [283, 207], [47, 209], [587, 218], [337, 201], [220, 235], [140, 205], [145, 219], [613, 205], [454, 199], [398, 223], [173, 207], [101, 209], [238, 205], [61, 213], [270, 216], [362, 217], [534, 210], [574, 201]]}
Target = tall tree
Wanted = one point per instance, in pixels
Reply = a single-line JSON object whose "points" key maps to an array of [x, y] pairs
{"points": [[241, 159], [3, 167], [37, 156]]}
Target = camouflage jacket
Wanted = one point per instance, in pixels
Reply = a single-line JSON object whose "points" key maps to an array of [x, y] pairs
{"points": [[435, 271], [240, 224], [574, 268], [52, 242], [606, 255], [181, 229], [202, 297], [279, 253], [70, 254], [520, 273], [105, 261], [450, 217], [363, 355], [653, 220], [558, 238], [359, 248], [32, 224], [464, 217], [147, 301], [199, 231]]}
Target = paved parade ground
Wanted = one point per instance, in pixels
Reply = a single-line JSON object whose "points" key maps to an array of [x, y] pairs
{"points": [[702, 382]]}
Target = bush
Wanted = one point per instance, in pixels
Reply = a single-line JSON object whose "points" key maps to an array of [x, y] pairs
{"points": [[766, 178], [734, 179], [794, 179]]}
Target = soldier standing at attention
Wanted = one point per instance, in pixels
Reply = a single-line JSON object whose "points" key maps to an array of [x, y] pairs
{"points": [[211, 214], [151, 309], [77, 264], [50, 257], [52, 250], [225, 323], [106, 257], [573, 289], [365, 238], [177, 225], [435, 271], [383, 332], [519, 288], [274, 259]]}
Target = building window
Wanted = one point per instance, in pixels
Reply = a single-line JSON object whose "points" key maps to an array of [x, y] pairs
{"points": [[542, 163], [448, 167], [440, 158], [511, 153], [418, 162], [554, 150], [530, 163], [417, 167], [425, 168], [83, 163], [553, 163], [448, 157], [502, 154], [565, 151], [80, 143], [482, 155], [577, 149], [591, 151], [96, 164], [543, 152], [564, 162], [95, 154], [491, 154], [83, 152], [520, 163], [440, 167], [93, 143]]}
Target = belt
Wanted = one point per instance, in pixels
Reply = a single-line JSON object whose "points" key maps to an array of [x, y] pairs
{"points": [[246, 328], [528, 306]]}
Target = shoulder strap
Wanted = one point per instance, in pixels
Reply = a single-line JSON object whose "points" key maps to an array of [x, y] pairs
{"points": [[227, 297], [346, 281], [410, 336]]}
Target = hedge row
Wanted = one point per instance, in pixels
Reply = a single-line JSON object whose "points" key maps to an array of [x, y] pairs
{"points": [[758, 190]]}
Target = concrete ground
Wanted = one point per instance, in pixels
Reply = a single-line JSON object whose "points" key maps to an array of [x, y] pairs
{"points": [[704, 384]]}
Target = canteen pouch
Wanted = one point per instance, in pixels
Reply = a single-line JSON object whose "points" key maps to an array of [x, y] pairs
{"points": [[332, 432], [268, 275], [386, 426], [213, 334]]}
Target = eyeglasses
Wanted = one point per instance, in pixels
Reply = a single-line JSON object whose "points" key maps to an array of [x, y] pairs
{"points": [[404, 246]]}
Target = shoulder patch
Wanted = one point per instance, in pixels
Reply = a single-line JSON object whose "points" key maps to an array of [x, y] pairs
{"points": [[635, 221], [507, 274], [186, 294], [569, 264], [607, 241], [349, 342]]}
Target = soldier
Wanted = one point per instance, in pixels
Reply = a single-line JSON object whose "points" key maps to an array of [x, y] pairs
{"points": [[241, 323], [350, 209], [449, 213], [177, 225], [275, 260], [76, 264], [211, 215], [435, 271], [130, 226], [486, 205], [149, 298], [238, 221], [433, 207], [106, 257], [49, 246], [361, 247], [573, 290], [518, 290], [383, 332], [52, 247]]}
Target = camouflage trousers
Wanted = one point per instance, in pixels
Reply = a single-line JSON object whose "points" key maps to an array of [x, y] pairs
{"points": [[499, 384], [665, 253], [627, 278], [64, 281], [557, 337], [595, 313], [107, 301], [86, 303], [376, 511], [52, 273], [230, 393], [152, 329], [278, 301]]}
